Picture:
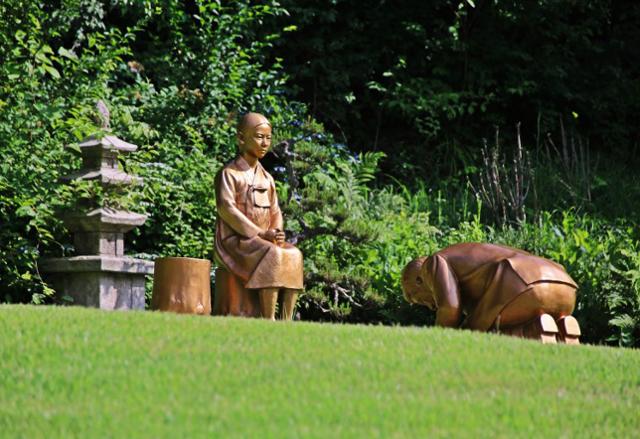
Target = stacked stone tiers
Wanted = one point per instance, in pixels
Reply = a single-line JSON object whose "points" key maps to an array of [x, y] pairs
{"points": [[101, 276]]}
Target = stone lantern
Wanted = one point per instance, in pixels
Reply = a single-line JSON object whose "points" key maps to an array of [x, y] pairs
{"points": [[101, 275]]}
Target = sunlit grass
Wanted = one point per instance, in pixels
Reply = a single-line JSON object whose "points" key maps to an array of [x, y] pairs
{"points": [[71, 372]]}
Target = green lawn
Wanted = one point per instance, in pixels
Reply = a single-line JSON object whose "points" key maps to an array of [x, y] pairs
{"points": [[72, 372]]}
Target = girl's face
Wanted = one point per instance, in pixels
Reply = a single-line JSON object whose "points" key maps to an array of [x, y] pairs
{"points": [[256, 141]]}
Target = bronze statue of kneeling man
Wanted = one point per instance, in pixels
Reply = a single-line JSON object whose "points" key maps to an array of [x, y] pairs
{"points": [[257, 267], [487, 287]]}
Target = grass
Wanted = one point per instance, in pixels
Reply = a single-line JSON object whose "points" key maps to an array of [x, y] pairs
{"points": [[72, 372]]}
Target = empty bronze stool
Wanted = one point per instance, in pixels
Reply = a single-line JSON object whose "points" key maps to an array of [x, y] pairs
{"points": [[182, 285]]}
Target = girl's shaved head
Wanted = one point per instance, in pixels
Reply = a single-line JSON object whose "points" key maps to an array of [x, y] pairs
{"points": [[252, 120]]}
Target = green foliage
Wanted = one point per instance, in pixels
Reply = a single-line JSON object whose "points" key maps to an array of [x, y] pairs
{"points": [[176, 75], [624, 303], [356, 239], [46, 95], [186, 119], [174, 80], [419, 79]]}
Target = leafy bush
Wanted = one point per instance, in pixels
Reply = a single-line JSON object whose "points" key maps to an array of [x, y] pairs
{"points": [[357, 238], [423, 80], [47, 93], [175, 77]]}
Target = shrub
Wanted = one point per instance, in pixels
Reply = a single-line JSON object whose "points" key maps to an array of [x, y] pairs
{"points": [[356, 240], [175, 77]]}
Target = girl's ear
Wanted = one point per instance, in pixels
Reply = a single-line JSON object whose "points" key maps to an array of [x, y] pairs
{"points": [[240, 139], [419, 280]]}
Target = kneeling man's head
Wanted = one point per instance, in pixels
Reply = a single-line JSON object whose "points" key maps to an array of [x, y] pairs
{"points": [[414, 287]]}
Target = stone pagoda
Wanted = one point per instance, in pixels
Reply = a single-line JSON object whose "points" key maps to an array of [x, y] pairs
{"points": [[100, 275]]}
